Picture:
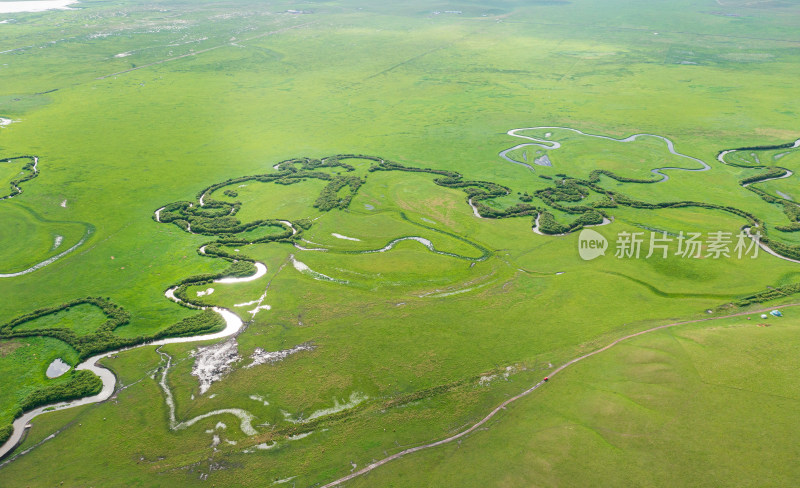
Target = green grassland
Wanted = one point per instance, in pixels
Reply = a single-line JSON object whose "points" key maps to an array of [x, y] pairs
{"points": [[10, 171], [641, 414], [23, 363], [408, 333], [82, 319], [27, 239]]}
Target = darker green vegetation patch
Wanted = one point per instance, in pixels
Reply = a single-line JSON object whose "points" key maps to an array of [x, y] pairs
{"points": [[5, 432], [772, 293], [586, 199], [477, 191], [28, 172], [206, 321], [332, 195], [81, 384], [727, 155], [103, 338], [84, 383], [567, 195]]}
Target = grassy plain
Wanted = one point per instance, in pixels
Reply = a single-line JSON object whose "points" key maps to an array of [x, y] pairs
{"points": [[425, 90], [642, 414], [27, 239], [23, 363]]}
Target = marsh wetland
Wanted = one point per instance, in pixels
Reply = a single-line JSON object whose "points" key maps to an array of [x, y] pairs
{"points": [[339, 243]]}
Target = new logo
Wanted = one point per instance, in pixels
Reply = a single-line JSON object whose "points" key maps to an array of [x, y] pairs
{"points": [[591, 244]]}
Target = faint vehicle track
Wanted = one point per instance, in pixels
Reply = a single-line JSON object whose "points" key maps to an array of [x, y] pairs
{"points": [[530, 390]]}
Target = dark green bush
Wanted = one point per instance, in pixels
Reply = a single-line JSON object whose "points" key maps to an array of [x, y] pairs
{"points": [[770, 173], [81, 384], [5, 433], [28, 174], [205, 322], [549, 225], [330, 197]]}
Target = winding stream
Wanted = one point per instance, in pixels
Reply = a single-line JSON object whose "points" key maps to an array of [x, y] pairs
{"points": [[552, 145], [536, 230], [14, 185], [766, 248], [788, 174], [388, 247], [49, 260], [233, 324], [245, 417], [475, 209], [261, 270], [425, 242], [721, 155], [465, 432], [58, 256]]}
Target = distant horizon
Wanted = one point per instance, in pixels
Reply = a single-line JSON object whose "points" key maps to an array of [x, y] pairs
{"points": [[14, 6]]}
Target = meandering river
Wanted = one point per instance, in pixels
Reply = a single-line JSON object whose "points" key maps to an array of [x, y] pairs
{"points": [[546, 143], [233, 324]]}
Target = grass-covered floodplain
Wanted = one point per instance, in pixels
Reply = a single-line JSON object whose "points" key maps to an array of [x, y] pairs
{"points": [[645, 409], [131, 107]]}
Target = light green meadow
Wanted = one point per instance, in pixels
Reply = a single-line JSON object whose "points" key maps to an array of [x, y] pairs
{"points": [[131, 108]]}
